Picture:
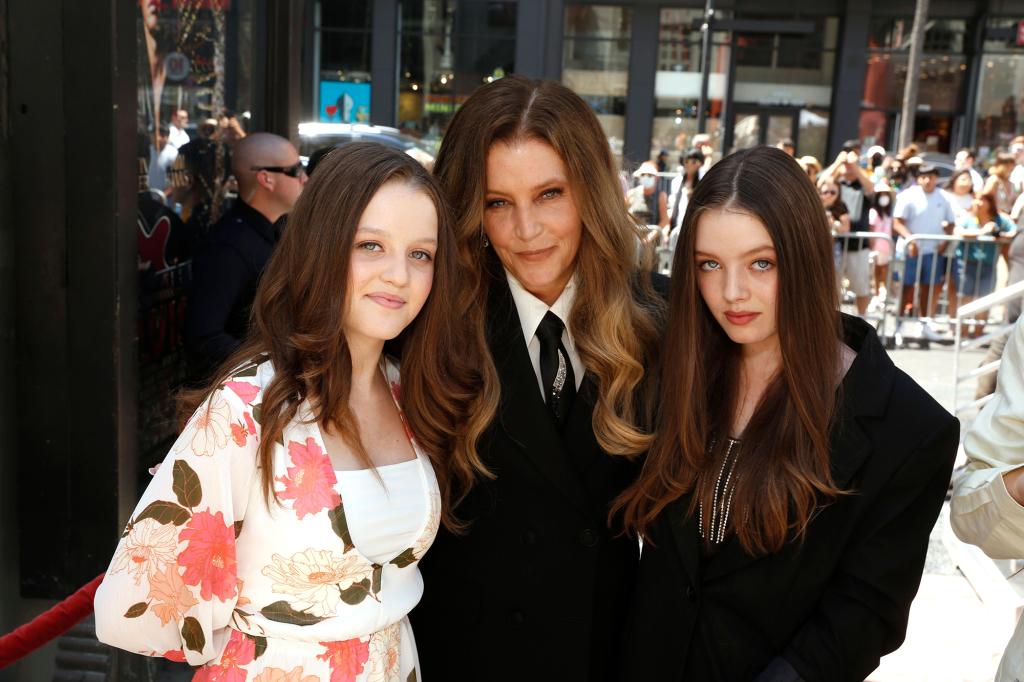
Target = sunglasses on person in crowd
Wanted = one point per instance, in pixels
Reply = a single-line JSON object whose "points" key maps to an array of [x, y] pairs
{"points": [[292, 171]]}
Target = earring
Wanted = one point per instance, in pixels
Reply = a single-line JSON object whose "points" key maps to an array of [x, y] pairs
{"points": [[486, 241]]}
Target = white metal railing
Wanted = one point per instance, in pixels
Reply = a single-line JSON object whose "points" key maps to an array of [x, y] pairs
{"points": [[968, 311]]}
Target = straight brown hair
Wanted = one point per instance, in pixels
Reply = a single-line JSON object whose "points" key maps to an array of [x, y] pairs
{"points": [[616, 316], [783, 470], [297, 317]]}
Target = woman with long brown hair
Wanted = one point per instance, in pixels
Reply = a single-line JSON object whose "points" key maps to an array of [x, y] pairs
{"points": [[786, 502], [535, 585], [281, 536]]}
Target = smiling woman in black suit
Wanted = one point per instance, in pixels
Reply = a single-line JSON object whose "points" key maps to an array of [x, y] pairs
{"points": [[787, 500], [535, 587]]}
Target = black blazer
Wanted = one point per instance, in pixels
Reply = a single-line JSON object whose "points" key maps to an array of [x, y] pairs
{"points": [[537, 588], [826, 609]]}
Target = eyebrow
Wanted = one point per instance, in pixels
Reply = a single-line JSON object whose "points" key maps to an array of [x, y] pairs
{"points": [[756, 249], [385, 233], [558, 180]]}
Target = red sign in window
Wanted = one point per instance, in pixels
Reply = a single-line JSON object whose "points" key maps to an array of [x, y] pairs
{"points": [[1020, 32]]}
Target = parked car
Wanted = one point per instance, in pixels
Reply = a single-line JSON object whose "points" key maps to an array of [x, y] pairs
{"points": [[316, 139]]}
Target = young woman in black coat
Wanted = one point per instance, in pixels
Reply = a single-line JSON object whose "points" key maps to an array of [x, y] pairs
{"points": [[786, 503]]}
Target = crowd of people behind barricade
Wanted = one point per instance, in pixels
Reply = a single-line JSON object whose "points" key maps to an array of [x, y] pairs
{"points": [[898, 195]]}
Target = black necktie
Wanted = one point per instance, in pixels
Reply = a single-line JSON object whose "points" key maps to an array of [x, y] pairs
{"points": [[555, 368]]}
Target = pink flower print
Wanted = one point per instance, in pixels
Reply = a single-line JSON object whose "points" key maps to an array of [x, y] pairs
{"points": [[345, 658], [244, 390], [209, 559], [311, 481], [176, 655], [170, 595], [249, 423], [240, 651], [240, 431], [396, 391]]}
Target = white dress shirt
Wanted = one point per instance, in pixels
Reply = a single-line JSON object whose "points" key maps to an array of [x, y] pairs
{"points": [[531, 311]]}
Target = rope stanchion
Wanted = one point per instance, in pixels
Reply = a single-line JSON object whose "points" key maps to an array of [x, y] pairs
{"points": [[49, 624]]}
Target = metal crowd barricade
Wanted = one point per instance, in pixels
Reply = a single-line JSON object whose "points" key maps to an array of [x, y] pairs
{"points": [[847, 260], [931, 312]]}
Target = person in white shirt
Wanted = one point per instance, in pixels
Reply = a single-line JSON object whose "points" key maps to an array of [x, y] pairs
{"points": [[964, 160], [987, 508], [177, 137]]}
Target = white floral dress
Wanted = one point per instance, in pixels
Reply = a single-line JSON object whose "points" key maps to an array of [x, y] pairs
{"points": [[206, 573]]}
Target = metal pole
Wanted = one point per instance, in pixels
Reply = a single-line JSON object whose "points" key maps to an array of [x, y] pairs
{"points": [[913, 74], [705, 64]]}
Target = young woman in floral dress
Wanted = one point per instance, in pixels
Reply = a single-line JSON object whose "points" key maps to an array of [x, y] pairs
{"points": [[280, 538]]}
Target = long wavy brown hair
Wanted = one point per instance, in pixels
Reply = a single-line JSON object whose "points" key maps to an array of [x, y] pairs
{"points": [[782, 473], [615, 318], [297, 317]]}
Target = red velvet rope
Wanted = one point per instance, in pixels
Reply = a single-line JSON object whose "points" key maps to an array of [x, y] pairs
{"points": [[49, 624]]}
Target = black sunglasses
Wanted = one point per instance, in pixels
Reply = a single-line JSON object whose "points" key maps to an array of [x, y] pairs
{"points": [[292, 171]]}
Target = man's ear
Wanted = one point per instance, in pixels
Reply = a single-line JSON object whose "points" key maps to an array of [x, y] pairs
{"points": [[265, 180]]}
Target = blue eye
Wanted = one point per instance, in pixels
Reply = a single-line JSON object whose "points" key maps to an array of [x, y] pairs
{"points": [[495, 203], [421, 256], [708, 265], [369, 246], [763, 265], [552, 193]]}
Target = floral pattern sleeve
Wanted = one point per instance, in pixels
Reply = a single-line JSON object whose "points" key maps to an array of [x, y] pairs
{"points": [[172, 585]]}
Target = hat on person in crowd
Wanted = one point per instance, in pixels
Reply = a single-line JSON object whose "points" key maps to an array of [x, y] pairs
{"points": [[914, 161], [646, 168], [883, 186], [877, 149], [694, 153], [927, 169]]}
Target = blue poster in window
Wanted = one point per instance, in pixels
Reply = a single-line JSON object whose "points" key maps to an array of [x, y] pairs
{"points": [[344, 102]]}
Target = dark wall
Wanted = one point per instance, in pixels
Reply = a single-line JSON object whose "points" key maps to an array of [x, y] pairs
{"points": [[72, 141]]}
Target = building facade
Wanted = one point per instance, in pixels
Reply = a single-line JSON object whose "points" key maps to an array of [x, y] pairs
{"points": [[817, 72]]}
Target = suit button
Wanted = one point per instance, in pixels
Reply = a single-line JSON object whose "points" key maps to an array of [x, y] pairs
{"points": [[691, 595], [518, 617], [588, 538]]}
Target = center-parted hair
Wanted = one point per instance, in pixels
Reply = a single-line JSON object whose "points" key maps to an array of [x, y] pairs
{"points": [[298, 316], [614, 319], [783, 470]]}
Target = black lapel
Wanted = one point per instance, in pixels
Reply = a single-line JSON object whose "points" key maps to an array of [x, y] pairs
{"points": [[865, 392], [578, 434], [684, 535], [523, 416]]}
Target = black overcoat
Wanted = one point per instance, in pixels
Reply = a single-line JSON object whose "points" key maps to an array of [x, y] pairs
{"points": [[538, 587], [826, 609]]}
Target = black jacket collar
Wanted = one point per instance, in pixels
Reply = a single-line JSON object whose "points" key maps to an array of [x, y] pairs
{"points": [[247, 215], [522, 414]]}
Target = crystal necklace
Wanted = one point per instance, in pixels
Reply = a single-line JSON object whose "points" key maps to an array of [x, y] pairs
{"points": [[721, 502]]}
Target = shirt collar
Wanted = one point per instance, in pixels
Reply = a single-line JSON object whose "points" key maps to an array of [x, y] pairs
{"points": [[532, 310], [257, 220]]}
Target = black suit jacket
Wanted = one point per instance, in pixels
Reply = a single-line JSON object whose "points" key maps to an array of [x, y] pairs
{"points": [[826, 609], [537, 588]]}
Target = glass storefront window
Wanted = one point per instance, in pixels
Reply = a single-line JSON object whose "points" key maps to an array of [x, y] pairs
{"points": [[448, 49], [941, 35], [942, 77], [1000, 101], [342, 50], [595, 63], [677, 84], [195, 97]]}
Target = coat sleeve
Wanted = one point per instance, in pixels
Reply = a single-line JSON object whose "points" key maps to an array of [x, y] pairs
{"points": [[863, 613], [982, 511], [172, 586]]}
